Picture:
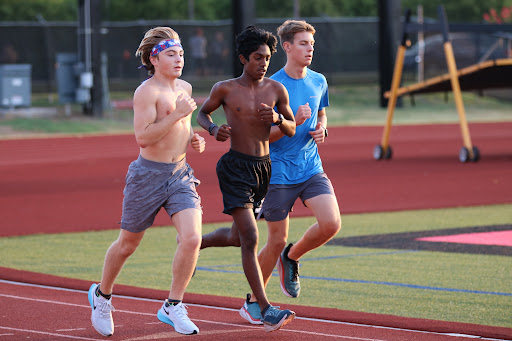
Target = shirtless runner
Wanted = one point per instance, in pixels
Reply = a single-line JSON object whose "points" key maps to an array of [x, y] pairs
{"points": [[160, 177], [244, 171]]}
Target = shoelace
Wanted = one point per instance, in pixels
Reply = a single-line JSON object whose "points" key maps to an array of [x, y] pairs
{"points": [[272, 311], [181, 310], [295, 271], [105, 307]]}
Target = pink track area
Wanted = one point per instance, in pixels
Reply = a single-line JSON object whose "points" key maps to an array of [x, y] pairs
{"points": [[501, 238], [69, 184]]}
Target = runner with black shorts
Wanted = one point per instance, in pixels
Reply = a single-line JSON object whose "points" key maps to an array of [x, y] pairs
{"points": [[244, 172]]}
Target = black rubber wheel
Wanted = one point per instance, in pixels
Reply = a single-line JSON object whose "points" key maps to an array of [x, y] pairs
{"points": [[463, 155], [388, 154], [476, 154], [379, 154]]}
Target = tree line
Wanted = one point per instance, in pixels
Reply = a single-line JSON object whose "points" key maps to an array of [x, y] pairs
{"points": [[130, 10]]}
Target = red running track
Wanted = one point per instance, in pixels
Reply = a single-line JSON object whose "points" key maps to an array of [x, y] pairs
{"points": [[52, 185], [59, 310]]}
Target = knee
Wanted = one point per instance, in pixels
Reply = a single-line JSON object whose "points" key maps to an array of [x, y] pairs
{"points": [[277, 244], [191, 242], [330, 228], [249, 242], [126, 248]]}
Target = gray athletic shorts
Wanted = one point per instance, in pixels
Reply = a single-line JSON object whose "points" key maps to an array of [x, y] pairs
{"points": [[280, 198], [152, 185]]}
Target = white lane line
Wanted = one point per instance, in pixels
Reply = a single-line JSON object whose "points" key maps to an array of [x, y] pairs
{"points": [[48, 333], [230, 309]]}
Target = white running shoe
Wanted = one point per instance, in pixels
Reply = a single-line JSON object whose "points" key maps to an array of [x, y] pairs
{"points": [[177, 316], [101, 316]]}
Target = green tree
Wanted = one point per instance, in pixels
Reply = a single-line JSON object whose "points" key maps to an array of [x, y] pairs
{"points": [[28, 10], [129, 10]]}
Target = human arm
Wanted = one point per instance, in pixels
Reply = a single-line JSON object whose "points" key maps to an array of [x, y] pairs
{"points": [[267, 113], [303, 113], [204, 118], [320, 132]]}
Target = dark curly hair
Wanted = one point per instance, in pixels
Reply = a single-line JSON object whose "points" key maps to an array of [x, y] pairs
{"points": [[252, 38]]}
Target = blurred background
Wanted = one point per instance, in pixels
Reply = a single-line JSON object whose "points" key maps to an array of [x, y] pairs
{"points": [[82, 52]]}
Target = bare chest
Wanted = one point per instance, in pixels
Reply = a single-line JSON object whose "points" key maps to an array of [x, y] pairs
{"points": [[247, 103]]}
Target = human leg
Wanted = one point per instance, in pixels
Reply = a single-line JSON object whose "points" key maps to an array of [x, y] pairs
{"points": [[173, 311], [100, 299], [272, 318], [267, 258], [188, 227], [276, 242], [326, 210], [248, 234], [116, 256], [221, 237]]}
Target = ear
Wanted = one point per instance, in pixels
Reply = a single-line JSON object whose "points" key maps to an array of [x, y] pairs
{"points": [[287, 46], [242, 59], [153, 59]]}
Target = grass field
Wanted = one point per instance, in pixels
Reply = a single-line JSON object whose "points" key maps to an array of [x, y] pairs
{"points": [[471, 288]]}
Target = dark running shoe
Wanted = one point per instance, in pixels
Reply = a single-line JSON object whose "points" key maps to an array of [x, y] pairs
{"points": [[273, 319], [288, 274], [251, 311]]}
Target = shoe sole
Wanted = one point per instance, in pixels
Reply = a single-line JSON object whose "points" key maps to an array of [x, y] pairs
{"points": [[164, 319], [89, 295], [280, 269], [284, 321], [245, 314]]}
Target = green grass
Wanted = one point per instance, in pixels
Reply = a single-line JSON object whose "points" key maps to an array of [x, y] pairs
{"points": [[359, 105], [349, 105], [80, 255]]}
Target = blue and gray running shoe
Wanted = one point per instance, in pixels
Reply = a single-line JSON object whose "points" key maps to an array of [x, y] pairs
{"points": [[251, 311], [273, 318], [288, 274]]}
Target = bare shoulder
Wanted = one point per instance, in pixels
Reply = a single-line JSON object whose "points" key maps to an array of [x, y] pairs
{"points": [[275, 84], [144, 92], [184, 85], [223, 86]]}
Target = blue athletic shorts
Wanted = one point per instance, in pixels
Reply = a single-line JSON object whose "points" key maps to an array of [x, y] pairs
{"points": [[152, 185], [280, 198]]}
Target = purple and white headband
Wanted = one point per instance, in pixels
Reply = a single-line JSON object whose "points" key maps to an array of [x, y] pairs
{"points": [[164, 45]]}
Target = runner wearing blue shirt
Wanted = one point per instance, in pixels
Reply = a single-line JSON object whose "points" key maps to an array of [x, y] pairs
{"points": [[296, 167]]}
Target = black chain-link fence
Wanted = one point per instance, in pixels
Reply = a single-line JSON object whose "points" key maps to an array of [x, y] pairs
{"points": [[342, 46], [345, 47]]}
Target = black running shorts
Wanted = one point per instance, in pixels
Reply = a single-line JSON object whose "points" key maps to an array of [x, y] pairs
{"points": [[243, 179]]}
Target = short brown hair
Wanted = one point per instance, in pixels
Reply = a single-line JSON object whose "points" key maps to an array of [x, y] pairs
{"points": [[287, 30], [151, 38]]}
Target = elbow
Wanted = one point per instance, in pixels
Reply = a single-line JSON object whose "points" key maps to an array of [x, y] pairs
{"points": [[291, 132], [142, 142]]}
